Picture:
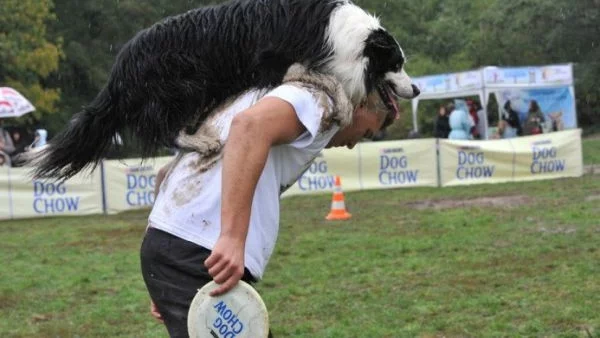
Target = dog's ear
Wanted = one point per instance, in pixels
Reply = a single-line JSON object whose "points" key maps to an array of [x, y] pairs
{"points": [[383, 52], [384, 55]]}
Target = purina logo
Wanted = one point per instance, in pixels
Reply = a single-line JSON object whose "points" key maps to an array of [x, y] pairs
{"points": [[131, 170], [469, 148], [391, 150], [541, 143]]}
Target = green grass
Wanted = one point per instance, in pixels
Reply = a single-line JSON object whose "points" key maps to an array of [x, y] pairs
{"points": [[404, 266], [528, 270], [591, 150], [507, 260]]}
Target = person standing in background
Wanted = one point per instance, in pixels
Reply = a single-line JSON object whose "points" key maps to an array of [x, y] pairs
{"points": [[461, 123], [535, 120], [482, 126], [442, 124], [40, 139], [473, 113], [511, 122]]}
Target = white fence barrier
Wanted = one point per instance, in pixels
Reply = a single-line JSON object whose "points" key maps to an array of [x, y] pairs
{"points": [[121, 185]]}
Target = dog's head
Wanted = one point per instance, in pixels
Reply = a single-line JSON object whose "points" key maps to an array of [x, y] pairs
{"points": [[366, 58]]}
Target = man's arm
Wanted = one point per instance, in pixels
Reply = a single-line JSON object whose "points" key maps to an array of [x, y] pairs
{"points": [[270, 122]]}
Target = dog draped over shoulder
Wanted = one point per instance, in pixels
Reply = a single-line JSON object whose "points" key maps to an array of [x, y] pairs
{"points": [[172, 75]]}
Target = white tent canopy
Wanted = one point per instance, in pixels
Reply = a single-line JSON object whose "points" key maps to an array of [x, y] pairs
{"points": [[492, 80]]}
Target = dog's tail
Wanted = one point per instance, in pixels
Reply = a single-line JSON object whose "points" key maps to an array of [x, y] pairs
{"points": [[82, 144]]}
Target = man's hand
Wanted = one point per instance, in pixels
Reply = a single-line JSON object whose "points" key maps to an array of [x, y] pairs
{"points": [[154, 312], [226, 264]]}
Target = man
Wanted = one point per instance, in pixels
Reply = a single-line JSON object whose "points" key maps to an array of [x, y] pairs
{"points": [[216, 215]]}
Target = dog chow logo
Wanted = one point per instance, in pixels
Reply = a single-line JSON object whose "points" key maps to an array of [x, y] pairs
{"points": [[140, 186], [544, 158], [472, 165], [316, 177], [227, 324], [394, 168], [53, 198]]}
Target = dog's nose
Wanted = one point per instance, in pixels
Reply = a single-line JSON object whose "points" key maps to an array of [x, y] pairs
{"points": [[416, 91]]}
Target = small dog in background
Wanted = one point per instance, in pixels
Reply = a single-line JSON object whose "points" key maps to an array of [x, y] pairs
{"points": [[556, 121]]}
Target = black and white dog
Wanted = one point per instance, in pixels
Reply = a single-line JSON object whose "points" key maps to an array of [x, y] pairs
{"points": [[170, 76]]}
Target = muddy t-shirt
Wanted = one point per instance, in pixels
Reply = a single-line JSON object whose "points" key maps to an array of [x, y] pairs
{"points": [[189, 202]]}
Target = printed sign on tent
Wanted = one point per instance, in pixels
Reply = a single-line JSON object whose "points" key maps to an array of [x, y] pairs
{"points": [[80, 195], [449, 83], [398, 164], [548, 156], [557, 105], [552, 75]]}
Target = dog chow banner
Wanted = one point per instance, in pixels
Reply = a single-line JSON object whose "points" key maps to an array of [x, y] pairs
{"points": [[80, 195], [398, 164], [545, 156], [121, 185], [5, 202], [320, 175], [548, 156], [475, 162], [129, 184]]}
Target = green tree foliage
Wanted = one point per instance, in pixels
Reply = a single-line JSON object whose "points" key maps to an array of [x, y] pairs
{"points": [[28, 55], [531, 32], [442, 36], [93, 33], [439, 36]]}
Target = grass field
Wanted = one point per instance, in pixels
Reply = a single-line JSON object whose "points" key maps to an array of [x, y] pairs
{"points": [[507, 260], [591, 150]]}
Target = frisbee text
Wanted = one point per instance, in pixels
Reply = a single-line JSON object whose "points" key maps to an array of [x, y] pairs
{"points": [[228, 325]]}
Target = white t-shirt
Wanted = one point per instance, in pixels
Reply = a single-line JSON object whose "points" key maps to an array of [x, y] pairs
{"points": [[189, 202]]}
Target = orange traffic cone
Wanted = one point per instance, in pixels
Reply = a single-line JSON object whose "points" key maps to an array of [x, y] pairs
{"points": [[338, 207]]}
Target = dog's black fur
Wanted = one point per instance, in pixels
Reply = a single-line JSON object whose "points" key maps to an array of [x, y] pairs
{"points": [[170, 76]]}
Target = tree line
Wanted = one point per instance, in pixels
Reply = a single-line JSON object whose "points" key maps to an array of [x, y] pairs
{"points": [[58, 53]]}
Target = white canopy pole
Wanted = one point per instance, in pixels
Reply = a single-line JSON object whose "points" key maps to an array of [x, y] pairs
{"points": [[415, 107]]}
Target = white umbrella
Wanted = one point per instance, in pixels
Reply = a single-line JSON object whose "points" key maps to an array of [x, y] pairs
{"points": [[13, 104]]}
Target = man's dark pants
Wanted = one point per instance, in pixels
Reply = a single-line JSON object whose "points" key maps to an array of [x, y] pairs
{"points": [[173, 270]]}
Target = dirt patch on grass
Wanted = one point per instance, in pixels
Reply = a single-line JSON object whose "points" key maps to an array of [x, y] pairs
{"points": [[592, 169], [108, 239], [481, 202], [558, 230]]}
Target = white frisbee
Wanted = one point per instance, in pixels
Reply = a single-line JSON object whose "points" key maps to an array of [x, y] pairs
{"points": [[239, 313]]}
